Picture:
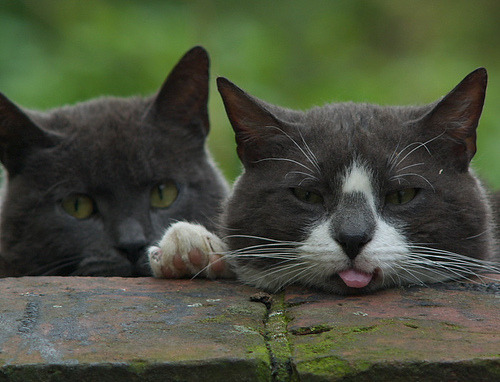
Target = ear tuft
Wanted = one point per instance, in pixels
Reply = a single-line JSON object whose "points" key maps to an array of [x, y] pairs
{"points": [[253, 124], [457, 115], [183, 97], [18, 135]]}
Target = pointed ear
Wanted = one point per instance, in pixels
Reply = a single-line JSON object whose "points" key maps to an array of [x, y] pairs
{"points": [[254, 125], [456, 117], [18, 135], [183, 97]]}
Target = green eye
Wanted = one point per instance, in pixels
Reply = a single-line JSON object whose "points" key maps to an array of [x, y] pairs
{"points": [[307, 196], [401, 196], [163, 195], [79, 206]]}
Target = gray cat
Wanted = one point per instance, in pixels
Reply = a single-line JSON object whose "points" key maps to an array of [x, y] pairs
{"points": [[89, 187], [347, 198]]}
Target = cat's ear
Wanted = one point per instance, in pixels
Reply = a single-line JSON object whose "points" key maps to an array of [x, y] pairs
{"points": [[18, 135], [455, 118], [254, 125], [183, 97]]}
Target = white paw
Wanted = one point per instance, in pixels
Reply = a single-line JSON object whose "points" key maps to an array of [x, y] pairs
{"points": [[186, 250]]}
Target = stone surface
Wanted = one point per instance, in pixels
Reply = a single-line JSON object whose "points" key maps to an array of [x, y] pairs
{"points": [[442, 333], [143, 329], [130, 329]]}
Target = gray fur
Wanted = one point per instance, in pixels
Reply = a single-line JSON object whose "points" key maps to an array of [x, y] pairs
{"points": [[114, 150], [425, 147]]}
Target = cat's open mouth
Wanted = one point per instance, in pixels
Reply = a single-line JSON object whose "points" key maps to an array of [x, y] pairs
{"points": [[354, 278]]}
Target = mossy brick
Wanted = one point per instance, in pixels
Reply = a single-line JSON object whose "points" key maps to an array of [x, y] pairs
{"points": [[109, 329], [61, 328], [445, 332]]}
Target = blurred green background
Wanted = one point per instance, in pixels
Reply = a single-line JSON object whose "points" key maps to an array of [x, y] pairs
{"points": [[292, 53]]}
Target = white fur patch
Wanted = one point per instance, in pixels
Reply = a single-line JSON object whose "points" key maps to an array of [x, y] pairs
{"points": [[323, 256], [387, 248], [328, 251], [358, 179], [181, 238]]}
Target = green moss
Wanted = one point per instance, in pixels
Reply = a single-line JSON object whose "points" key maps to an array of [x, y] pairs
{"points": [[138, 366], [317, 329], [261, 354], [216, 319], [363, 329], [277, 340], [239, 310], [409, 325], [326, 345], [452, 326], [331, 366]]}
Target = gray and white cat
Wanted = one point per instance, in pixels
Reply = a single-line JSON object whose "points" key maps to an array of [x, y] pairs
{"points": [[91, 186], [347, 197]]}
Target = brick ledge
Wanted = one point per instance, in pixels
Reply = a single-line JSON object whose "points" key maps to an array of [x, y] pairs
{"points": [[75, 328]]}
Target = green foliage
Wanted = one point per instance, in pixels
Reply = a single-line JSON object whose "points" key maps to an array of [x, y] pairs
{"points": [[292, 53]]}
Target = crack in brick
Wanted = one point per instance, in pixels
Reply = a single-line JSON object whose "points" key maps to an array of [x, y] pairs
{"points": [[30, 317], [276, 339], [308, 330]]}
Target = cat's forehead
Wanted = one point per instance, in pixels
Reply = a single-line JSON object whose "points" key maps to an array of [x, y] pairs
{"points": [[109, 143], [343, 132], [92, 116], [356, 118]]}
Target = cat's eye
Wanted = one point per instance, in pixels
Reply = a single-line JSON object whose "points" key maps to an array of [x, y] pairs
{"points": [[403, 196], [163, 195], [307, 196], [79, 206]]}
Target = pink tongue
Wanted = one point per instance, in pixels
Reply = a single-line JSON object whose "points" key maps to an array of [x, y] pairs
{"points": [[355, 279]]}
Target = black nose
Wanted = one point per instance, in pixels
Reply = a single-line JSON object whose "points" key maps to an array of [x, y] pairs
{"points": [[353, 224], [132, 250], [352, 242], [131, 239]]}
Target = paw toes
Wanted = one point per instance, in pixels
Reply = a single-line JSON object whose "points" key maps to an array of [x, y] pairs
{"points": [[188, 250], [179, 264], [168, 273], [197, 258], [217, 264]]}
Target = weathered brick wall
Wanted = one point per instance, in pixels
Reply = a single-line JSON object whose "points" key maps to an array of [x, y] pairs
{"points": [[118, 329]]}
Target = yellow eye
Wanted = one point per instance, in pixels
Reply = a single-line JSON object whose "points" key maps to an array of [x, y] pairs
{"points": [[163, 195], [78, 205], [401, 196], [307, 196]]}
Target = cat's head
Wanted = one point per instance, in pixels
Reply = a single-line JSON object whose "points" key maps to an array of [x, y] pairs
{"points": [[356, 197], [91, 186]]}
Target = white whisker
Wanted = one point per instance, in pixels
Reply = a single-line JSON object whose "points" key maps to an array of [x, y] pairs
{"points": [[284, 160], [417, 175], [306, 155], [410, 166]]}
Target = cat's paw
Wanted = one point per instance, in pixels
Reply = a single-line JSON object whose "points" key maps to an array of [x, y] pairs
{"points": [[186, 250]]}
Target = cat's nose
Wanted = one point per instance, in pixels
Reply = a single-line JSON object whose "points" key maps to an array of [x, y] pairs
{"points": [[133, 250], [353, 226], [353, 242], [131, 240]]}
